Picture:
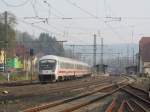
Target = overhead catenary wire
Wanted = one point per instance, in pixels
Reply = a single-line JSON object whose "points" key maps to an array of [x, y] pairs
{"points": [[108, 16], [54, 27], [46, 21], [50, 6], [109, 26], [43, 20], [39, 27], [49, 10], [34, 8], [101, 17], [114, 31], [82, 28], [79, 18], [83, 10], [94, 16], [15, 5], [36, 17], [105, 8]]}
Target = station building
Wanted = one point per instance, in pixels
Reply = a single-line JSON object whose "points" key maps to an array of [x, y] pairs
{"points": [[144, 56], [101, 68]]}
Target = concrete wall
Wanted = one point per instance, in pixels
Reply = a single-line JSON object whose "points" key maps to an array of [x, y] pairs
{"points": [[147, 70], [145, 67]]}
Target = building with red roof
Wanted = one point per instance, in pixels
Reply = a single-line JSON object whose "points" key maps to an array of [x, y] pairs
{"points": [[144, 55]]}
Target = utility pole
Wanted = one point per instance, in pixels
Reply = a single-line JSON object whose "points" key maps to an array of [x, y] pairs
{"points": [[6, 41], [94, 51], [62, 43], [73, 53], [102, 45], [127, 54], [132, 47], [31, 52], [133, 56], [118, 59]]}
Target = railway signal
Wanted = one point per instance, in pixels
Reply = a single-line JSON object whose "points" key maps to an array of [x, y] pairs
{"points": [[31, 52]]}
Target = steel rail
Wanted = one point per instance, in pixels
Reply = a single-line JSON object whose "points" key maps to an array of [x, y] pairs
{"points": [[137, 107], [47, 106], [129, 107], [136, 96]]}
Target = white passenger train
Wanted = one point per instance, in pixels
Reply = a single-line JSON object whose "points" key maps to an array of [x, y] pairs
{"points": [[55, 68]]}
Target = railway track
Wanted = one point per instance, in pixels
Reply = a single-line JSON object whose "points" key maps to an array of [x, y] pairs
{"points": [[130, 105], [19, 83], [55, 89], [29, 82], [136, 107], [136, 101], [140, 102], [79, 101], [142, 93], [123, 106], [35, 82], [137, 93]]}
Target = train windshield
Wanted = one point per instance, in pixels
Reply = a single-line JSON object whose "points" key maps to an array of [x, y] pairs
{"points": [[47, 65]]}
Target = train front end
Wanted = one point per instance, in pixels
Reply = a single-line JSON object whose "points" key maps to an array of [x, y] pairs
{"points": [[47, 70]]}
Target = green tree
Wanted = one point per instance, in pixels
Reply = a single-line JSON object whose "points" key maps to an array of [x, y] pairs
{"points": [[11, 19], [8, 42], [44, 44], [49, 45]]}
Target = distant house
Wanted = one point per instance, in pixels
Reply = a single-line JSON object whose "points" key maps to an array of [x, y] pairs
{"points": [[21, 51], [144, 55], [131, 70]]}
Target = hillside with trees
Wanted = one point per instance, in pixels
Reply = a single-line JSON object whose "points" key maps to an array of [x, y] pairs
{"points": [[8, 40], [44, 44], [17, 44]]}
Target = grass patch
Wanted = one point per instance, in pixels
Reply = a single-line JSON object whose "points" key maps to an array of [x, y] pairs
{"points": [[17, 77], [2, 78]]}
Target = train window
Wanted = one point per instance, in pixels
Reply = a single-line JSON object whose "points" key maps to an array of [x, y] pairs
{"points": [[47, 64], [75, 66], [79, 66], [65, 65], [61, 65]]}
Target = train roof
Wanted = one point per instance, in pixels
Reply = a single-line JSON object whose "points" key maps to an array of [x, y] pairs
{"points": [[63, 59]]}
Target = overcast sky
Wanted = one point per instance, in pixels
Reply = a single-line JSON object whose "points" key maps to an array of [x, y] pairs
{"points": [[114, 20]]}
